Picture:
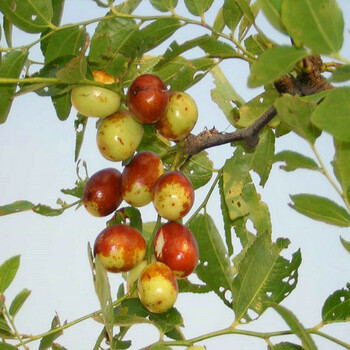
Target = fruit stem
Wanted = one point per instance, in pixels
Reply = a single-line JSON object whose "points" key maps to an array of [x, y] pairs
{"points": [[150, 241]]}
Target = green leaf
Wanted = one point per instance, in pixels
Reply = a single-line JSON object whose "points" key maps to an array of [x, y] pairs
{"points": [[273, 63], [62, 104], [260, 277], [18, 301], [323, 30], [8, 31], [185, 286], [65, 42], [246, 9], [332, 115], [214, 268], [198, 7], [296, 327], [152, 141], [164, 5], [341, 74], [56, 346], [224, 94], [77, 191], [345, 244], [167, 321], [57, 8], [5, 329], [11, 67], [272, 10], [46, 210], [263, 155], [30, 16], [199, 169], [46, 341], [216, 48], [5, 346], [80, 124], [232, 14], [174, 50], [295, 160], [159, 30], [341, 164], [321, 209], [8, 271], [160, 347], [296, 113], [129, 320], [256, 44], [16, 207], [337, 306], [74, 71], [103, 292], [285, 346]]}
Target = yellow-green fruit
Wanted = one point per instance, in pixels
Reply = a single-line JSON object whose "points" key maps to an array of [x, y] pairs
{"points": [[157, 288], [95, 101], [196, 347], [118, 136]]}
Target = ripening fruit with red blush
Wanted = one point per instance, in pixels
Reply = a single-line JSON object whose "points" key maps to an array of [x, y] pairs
{"points": [[139, 177], [120, 248], [173, 195], [96, 101], [118, 136], [175, 245], [180, 117], [102, 192], [157, 288], [147, 98]]}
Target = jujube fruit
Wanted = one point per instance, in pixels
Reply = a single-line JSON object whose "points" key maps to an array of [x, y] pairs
{"points": [[180, 117], [175, 245], [102, 192], [139, 177], [120, 248], [96, 101], [147, 98], [118, 136], [157, 287], [173, 195]]}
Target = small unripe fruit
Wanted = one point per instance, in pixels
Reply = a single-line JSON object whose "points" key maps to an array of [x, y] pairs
{"points": [[180, 117], [196, 347], [102, 192], [139, 177], [157, 288], [120, 248], [96, 101], [175, 246], [173, 195], [118, 136], [147, 98]]}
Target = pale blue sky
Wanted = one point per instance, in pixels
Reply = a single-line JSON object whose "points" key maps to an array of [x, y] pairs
{"points": [[37, 160]]}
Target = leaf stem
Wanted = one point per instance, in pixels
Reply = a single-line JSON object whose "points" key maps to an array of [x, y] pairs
{"points": [[18, 336]]}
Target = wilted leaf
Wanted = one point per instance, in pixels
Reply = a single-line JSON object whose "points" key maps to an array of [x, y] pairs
{"points": [[295, 160], [8, 271], [47, 210], [273, 63], [214, 268], [16, 207], [321, 209], [337, 306], [332, 114], [323, 30]]}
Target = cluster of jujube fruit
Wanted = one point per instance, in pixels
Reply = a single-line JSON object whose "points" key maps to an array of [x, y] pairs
{"points": [[120, 247]]}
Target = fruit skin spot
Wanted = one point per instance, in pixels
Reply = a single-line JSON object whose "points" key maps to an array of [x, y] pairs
{"points": [[120, 248]]}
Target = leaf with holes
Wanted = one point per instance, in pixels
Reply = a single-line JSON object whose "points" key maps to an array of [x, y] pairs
{"points": [[296, 114], [294, 160], [224, 95], [273, 63], [214, 268], [337, 306], [263, 275], [30, 16], [323, 30]]}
